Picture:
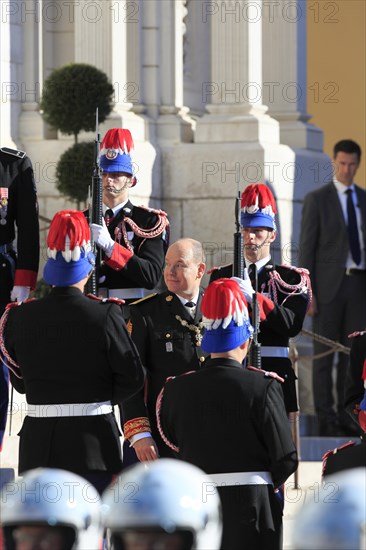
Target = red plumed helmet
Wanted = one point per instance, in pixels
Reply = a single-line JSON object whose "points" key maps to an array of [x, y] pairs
{"points": [[115, 152], [68, 233], [258, 207], [118, 138], [225, 317]]}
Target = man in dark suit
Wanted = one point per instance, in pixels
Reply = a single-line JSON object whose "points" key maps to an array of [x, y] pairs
{"points": [[283, 290], [232, 423], [332, 248], [73, 358], [18, 265], [134, 238], [167, 333]]}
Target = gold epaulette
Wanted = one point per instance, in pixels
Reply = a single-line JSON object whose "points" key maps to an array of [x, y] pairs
{"points": [[144, 298]]}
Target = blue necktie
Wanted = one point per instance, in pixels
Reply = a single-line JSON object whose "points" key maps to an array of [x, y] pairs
{"points": [[354, 241]]}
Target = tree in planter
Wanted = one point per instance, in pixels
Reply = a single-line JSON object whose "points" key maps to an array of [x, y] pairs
{"points": [[71, 95], [74, 171]]}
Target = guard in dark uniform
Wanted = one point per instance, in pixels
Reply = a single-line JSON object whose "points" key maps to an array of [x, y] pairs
{"points": [[231, 422], [284, 292], [134, 238], [354, 393], [73, 358], [18, 265], [352, 454], [167, 333]]}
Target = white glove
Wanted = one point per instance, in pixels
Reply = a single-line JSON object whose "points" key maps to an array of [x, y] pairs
{"points": [[19, 293], [102, 238], [245, 286]]}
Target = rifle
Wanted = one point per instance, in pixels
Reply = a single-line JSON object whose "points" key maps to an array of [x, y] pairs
{"points": [[238, 267], [255, 350], [238, 271], [95, 208]]}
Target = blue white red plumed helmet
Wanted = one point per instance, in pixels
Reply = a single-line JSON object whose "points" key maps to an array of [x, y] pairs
{"points": [[225, 317], [258, 207], [115, 152], [70, 258]]}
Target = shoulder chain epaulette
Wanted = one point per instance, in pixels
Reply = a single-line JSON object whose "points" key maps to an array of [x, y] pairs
{"points": [[357, 333], [267, 373], [110, 300], [276, 284], [4, 354], [333, 452], [159, 228], [13, 152]]}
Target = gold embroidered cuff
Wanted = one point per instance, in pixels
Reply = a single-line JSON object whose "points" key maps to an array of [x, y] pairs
{"points": [[136, 426]]}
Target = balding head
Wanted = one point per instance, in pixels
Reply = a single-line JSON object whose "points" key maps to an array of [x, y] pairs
{"points": [[184, 267]]}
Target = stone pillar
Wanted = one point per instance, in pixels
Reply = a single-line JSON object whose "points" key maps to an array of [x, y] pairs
{"points": [[10, 91], [235, 109], [31, 126], [284, 73], [196, 68], [174, 124]]}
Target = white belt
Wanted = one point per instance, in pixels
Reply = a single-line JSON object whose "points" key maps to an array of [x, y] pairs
{"points": [[69, 409], [242, 478], [123, 293], [274, 351]]}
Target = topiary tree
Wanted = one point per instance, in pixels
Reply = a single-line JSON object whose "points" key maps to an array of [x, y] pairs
{"points": [[71, 95], [74, 171]]}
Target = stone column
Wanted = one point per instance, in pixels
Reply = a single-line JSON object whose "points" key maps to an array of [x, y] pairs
{"points": [[284, 72], [174, 124], [10, 92], [234, 106], [31, 126]]}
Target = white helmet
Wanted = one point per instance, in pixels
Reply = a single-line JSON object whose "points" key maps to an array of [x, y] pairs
{"points": [[53, 497], [337, 519], [165, 496]]}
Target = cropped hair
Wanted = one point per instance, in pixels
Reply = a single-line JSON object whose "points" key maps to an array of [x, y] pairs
{"points": [[347, 146]]}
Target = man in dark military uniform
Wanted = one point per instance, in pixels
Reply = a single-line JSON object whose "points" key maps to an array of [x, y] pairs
{"points": [[351, 455], [231, 422], [354, 393], [134, 238], [73, 358], [18, 266], [167, 332], [283, 291]]}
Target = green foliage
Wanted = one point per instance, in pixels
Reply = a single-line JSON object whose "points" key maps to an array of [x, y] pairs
{"points": [[71, 95], [42, 289], [74, 171]]}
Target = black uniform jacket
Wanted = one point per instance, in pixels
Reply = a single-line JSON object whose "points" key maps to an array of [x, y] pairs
{"points": [[144, 268], [350, 455], [71, 349], [282, 323], [166, 347], [227, 419], [354, 389], [19, 210]]}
